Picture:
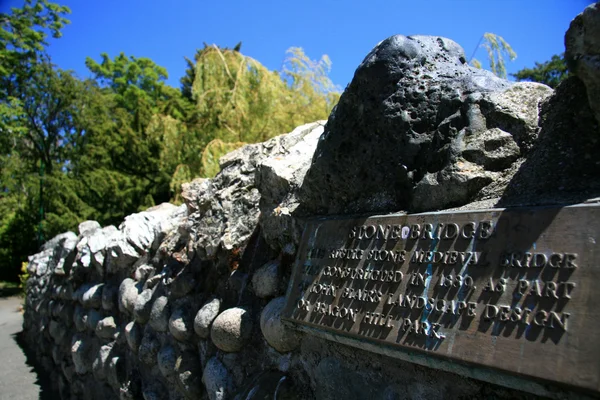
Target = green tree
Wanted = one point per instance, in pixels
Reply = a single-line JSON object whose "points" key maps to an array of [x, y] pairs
{"points": [[497, 48], [550, 72]]}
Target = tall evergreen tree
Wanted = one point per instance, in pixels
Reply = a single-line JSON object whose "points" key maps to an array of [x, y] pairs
{"points": [[551, 72]]}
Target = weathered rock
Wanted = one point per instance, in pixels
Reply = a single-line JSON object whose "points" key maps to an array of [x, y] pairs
{"points": [[582, 53], [143, 306], [133, 335], [92, 298], [81, 349], [205, 317], [80, 318], [277, 335], [335, 381], [565, 149], [188, 374], [100, 362], [159, 314], [143, 272], [181, 323], [143, 229], [93, 318], [232, 329], [217, 380], [128, 292], [57, 330], [110, 297], [106, 328], [86, 228], [265, 281], [402, 125], [149, 347], [166, 360]]}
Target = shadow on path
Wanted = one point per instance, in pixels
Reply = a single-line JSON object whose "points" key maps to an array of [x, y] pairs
{"points": [[47, 391]]}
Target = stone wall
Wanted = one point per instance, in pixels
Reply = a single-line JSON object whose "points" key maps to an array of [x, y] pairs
{"points": [[184, 302]]}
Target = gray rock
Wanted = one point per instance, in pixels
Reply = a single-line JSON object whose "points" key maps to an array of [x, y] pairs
{"points": [[120, 254], [110, 297], [191, 192], [166, 360], [133, 335], [217, 380], [181, 323], [93, 318], [582, 53], [278, 336], [189, 375], [205, 317], [149, 347], [265, 280], [401, 126], [81, 349], [116, 372], [100, 362], [337, 381], [154, 390], [159, 314], [92, 298], [232, 329], [57, 331], [106, 328], [146, 229], [143, 306], [128, 292], [86, 228], [80, 318], [143, 272]]}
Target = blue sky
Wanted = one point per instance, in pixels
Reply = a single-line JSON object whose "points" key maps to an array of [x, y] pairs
{"points": [[166, 31]]}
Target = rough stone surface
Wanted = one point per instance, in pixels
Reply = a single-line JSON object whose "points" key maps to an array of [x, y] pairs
{"points": [[143, 306], [133, 335], [181, 323], [128, 292], [265, 281], [278, 336], [403, 124], [106, 328], [582, 53], [217, 380], [231, 329], [159, 314], [86, 228], [205, 317]]}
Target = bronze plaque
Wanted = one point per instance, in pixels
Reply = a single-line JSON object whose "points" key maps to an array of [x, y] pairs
{"points": [[512, 289]]}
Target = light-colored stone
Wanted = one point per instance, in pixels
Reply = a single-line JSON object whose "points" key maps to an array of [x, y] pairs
{"points": [[159, 314], [106, 328], [217, 380], [277, 335], [265, 280], [143, 306], [232, 329], [205, 317], [86, 228], [180, 324], [92, 298], [128, 292], [133, 335]]}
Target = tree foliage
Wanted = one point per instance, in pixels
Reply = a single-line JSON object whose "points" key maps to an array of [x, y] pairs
{"points": [[124, 140], [550, 72]]}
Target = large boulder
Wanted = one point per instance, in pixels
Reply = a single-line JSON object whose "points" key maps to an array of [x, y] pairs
{"points": [[419, 129]]}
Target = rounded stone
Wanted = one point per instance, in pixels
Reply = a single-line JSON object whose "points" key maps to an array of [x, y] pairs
{"points": [[159, 314], [189, 375], [232, 329], [133, 334], [205, 317], [217, 380], [92, 298], [180, 324], [277, 335], [265, 281], [110, 295], [106, 328], [149, 347], [93, 318], [143, 306], [166, 359], [128, 293], [80, 318]]}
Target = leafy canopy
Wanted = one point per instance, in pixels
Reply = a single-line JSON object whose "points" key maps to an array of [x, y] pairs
{"points": [[550, 72]]}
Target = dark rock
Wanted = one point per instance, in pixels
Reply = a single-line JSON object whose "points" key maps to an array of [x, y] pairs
{"points": [[582, 53], [403, 125]]}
